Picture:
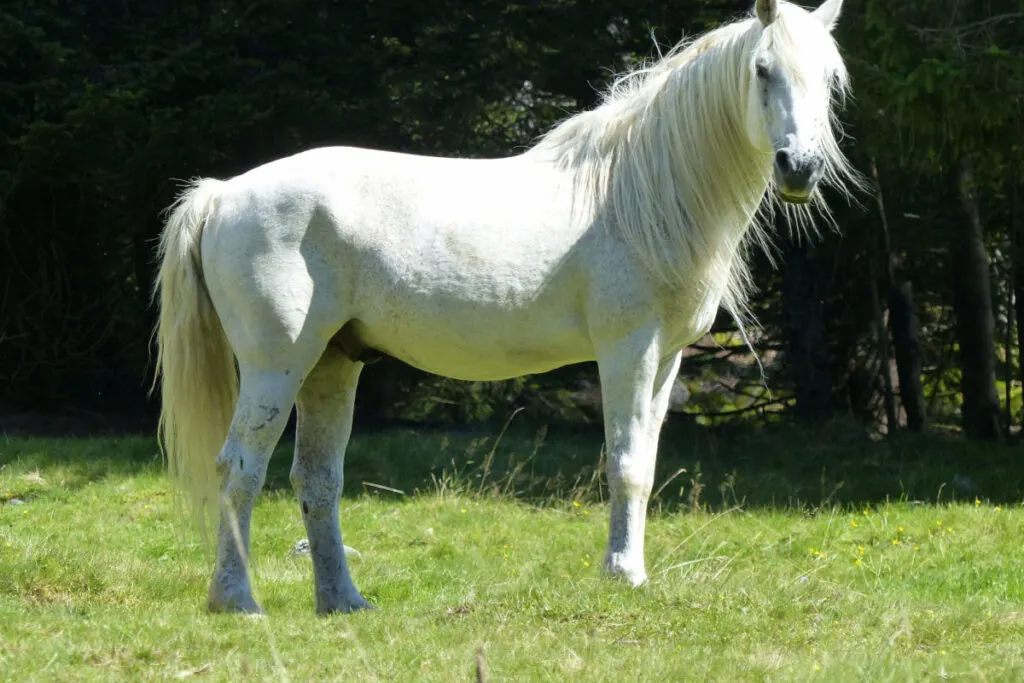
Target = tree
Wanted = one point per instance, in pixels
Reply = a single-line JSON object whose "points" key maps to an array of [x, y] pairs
{"points": [[972, 305], [942, 87]]}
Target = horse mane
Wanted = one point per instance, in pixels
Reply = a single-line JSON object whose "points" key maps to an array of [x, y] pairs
{"points": [[666, 162]]}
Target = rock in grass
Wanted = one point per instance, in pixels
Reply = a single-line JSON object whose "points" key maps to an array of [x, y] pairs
{"points": [[302, 549]]}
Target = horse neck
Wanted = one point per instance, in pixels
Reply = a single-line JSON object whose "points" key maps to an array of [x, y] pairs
{"points": [[686, 183]]}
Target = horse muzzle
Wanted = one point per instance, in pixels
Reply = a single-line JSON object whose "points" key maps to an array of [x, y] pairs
{"points": [[797, 176]]}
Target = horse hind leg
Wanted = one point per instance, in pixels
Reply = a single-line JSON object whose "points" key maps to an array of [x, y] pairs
{"points": [[264, 403], [325, 407]]}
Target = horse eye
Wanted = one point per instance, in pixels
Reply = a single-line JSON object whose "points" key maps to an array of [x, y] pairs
{"points": [[762, 71]]}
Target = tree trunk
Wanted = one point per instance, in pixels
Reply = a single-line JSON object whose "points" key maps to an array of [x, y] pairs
{"points": [[907, 350], [1008, 374], [882, 339], [1017, 254], [904, 326], [975, 321], [805, 334]]}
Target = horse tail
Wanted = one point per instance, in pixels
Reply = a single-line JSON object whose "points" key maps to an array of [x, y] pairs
{"points": [[195, 363]]}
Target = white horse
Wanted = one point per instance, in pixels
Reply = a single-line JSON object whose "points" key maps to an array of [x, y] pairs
{"points": [[615, 238]]}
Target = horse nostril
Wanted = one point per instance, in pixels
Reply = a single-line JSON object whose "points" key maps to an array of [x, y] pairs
{"points": [[783, 161]]}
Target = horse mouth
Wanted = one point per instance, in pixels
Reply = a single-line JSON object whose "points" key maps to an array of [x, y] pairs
{"points": [[794, 197]]}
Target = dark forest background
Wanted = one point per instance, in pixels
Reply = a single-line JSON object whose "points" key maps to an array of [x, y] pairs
{"points": [[904, 318]]}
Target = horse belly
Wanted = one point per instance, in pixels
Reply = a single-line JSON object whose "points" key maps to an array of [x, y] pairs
{"points": [[475, 343]]}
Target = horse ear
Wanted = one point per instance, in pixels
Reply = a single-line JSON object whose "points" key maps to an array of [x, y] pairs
{"points": [[767, 10], [828, 13]]}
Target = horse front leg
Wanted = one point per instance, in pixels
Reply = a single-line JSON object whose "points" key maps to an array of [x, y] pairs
{"points": [[636, 383]]}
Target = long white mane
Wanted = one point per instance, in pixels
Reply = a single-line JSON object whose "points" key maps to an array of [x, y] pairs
{"points": [[665, 159]]}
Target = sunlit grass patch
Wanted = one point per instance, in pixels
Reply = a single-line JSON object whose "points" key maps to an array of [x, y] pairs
{"points": [[98, 581]]}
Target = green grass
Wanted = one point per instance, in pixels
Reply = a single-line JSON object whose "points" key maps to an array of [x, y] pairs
{"points": [[777, 555]]}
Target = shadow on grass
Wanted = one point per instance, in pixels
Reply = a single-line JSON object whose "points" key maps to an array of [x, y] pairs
{"points": [[782, 466], [75, 462]]}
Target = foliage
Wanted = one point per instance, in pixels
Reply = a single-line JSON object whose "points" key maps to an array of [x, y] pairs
{"points": [[105, 107]]}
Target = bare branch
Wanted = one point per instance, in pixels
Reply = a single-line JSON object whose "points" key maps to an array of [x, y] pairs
{"points": [[966, 29]]}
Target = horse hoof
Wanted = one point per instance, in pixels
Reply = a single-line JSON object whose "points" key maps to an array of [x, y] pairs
{"points": [[617, 566], [244, 605], [357, 604]]}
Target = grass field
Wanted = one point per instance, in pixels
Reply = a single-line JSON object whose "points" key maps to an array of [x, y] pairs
{"points": [[777, 555]]}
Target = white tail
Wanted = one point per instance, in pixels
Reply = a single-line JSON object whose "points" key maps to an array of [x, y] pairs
{"points": [[195, 364]]}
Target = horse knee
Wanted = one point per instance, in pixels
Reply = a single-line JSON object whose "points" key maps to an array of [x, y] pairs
{"points": [[631, 473], [260, 415]]}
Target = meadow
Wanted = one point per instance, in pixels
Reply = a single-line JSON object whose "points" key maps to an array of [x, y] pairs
{"points": [[774, 554]]}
